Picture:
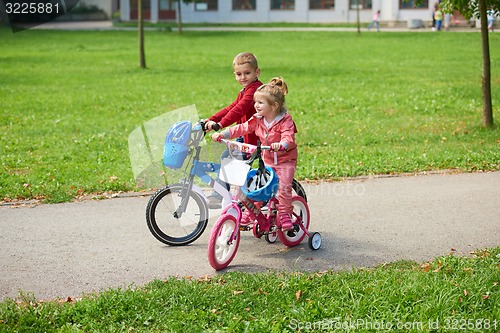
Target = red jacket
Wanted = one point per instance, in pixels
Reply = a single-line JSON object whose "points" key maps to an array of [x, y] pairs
{"points": [[281, 131], [239, 111]]}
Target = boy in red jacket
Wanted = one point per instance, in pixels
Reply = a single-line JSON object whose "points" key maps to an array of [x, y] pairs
{"points": [[246, 71]]}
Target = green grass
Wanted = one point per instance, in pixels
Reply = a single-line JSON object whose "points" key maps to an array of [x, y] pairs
{"points": [[375, 103], [448, 294]]}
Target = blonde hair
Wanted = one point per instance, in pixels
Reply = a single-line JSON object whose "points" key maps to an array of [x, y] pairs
{"points": [[246, 58], [274, 92]]}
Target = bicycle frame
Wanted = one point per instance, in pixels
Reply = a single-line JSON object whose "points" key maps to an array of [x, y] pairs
{"points": [[201, 169], [264, 223]]}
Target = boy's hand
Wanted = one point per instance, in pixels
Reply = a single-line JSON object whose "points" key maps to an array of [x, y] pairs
{"points": [[217, 137], [209, 125]]}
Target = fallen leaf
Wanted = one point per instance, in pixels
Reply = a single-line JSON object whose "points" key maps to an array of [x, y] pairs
{"points": [[205, 278], [466, 293], [237, 292], [298, 294], [319, 274], [426, 267], [485, 297], [262, 292]]}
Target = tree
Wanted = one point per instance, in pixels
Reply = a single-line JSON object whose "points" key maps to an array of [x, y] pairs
{"points": [[179, 14], [477, 9], [140, 28], [357, 17]]}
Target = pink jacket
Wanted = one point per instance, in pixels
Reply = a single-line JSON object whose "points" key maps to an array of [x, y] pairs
{"points": [[282, 131]]}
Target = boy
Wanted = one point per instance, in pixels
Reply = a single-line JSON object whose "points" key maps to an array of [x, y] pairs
{"points": [[246, 72]]}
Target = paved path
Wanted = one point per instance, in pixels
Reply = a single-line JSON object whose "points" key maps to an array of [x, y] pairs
{"points": [[65, 249], [108, 25]]}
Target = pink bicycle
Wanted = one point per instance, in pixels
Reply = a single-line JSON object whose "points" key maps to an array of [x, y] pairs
{"points": [[257, 192]]}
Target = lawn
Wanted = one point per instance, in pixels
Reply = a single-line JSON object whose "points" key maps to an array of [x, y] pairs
{"points": [[375, 103], [447, 294]]}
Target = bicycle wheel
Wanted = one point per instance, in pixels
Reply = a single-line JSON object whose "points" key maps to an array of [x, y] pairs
{"points": [[293, 237], [298, 189], [221, 250], [164, 221]]}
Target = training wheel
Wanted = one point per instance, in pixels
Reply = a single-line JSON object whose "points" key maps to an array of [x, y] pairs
{"points": [[271, 237], [315, 241]]}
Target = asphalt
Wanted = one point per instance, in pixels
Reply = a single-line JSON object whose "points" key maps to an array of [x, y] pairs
{"points": [[61, 250]]}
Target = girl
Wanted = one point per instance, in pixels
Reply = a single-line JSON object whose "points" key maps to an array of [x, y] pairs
{"points": [[274, 127]]}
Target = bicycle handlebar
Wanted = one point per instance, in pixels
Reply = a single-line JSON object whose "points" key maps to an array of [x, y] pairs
{"points": [[215, 127]]}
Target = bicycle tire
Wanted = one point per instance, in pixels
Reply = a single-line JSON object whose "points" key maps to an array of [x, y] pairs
{"points": [[220, 252], [293, 238], [299, 190], [172, 230]]}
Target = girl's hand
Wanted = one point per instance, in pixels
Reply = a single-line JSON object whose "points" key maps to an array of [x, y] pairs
{"points": [[276, 146], [217, 137], [209, 125]]}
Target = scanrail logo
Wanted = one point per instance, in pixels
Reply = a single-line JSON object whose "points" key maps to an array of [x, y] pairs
{"points": [[26, 14]]}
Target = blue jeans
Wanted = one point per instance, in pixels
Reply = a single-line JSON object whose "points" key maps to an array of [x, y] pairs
{"points": [[376, 24]]}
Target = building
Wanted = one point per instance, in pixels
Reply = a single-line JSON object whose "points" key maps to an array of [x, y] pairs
{"points": [[108, 6], [298, 11]]}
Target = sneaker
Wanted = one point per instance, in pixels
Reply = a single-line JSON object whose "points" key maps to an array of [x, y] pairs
{"points": [[286, 222], [214, 202], [245, 218]]}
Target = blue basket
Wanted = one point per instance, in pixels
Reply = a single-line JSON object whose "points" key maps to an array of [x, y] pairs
{"points": [[174, 155]]}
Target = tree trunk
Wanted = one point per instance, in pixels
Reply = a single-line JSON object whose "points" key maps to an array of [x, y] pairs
{"points": [[140, 22], [486, 77], [357, 17], [179, 16]]}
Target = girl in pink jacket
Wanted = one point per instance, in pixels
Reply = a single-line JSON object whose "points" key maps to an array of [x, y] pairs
{"points": [[274, 127]]}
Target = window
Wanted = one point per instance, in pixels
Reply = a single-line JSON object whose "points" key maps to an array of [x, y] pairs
{"points": [[166, 5], [282, 4], [321, 4], [244, 4], [410, 4], [363, 4], [206, 5]]}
